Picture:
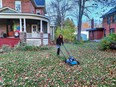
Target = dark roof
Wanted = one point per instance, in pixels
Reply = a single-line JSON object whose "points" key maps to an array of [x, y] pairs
{"points": [[95, 29], [39, 3], [110, 12]]}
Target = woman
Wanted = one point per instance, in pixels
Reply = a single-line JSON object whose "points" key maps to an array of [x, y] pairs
{"points": [[59, 42]]}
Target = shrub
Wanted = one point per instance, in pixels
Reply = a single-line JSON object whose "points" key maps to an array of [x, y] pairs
{"points": [[6, 48], [27, 48], [32, 48], [106, 43], [78, 42], [44, 47]]}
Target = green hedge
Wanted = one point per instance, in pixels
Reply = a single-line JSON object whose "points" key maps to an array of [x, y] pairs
{"points": [[32, 48]]}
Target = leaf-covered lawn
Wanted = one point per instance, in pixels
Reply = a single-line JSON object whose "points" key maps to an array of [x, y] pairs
{"points": [[45, 69]]}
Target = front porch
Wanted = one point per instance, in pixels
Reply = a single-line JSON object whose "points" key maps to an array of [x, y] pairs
{"points": [[35, 27]]}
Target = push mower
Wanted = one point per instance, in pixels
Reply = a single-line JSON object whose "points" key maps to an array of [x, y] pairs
{"points": [[71, 60]]}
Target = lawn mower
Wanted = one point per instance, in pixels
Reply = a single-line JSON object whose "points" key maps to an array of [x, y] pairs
{"points": [[71, 60]]}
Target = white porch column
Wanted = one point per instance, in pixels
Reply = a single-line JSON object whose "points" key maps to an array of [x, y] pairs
{"points": [[24, 25], [48, 27], [41, 26], [20, 24], [41, 32]]}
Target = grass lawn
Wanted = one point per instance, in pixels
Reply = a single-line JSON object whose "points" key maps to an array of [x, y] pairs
{"points": [[45, 69]]}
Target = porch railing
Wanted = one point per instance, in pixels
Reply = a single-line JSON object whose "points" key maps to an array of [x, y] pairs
{"points": [[31, 36]]}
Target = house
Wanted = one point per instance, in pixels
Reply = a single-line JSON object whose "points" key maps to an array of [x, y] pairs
{"points": [[26, 20], [95, 33], [109, 21]]}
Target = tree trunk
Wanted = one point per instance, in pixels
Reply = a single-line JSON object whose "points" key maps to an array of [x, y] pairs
{"points": [[81, 10], [79, 21]]}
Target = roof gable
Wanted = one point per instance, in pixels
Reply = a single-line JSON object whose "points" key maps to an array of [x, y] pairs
{"points": [[7, 10]]}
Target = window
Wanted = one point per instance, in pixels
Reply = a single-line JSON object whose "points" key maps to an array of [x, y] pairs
{"points": [[0, 3], [38, 12], [114, 18], [112, 30], [108, 20], [18, 6]]}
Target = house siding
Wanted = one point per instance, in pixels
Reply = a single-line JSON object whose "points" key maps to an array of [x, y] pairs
{"points": [[96, 35], [106, 26], [109, 26], [91, 35], [9, 3], [99, 35], [26, 5]]}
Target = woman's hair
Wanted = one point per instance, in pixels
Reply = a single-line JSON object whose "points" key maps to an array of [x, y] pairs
{"points": [[61, 36]]}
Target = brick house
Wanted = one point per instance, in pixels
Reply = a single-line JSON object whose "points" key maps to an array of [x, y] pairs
{"points": [[25, 19], [109, 21]]}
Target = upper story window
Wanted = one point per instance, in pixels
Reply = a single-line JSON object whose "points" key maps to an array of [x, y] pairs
{"points": [[18, 6], [112, 30], [0, 3], [38, 12], [108, 20], [114, 18]]}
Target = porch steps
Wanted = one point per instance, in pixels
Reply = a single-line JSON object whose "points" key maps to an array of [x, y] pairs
{"points": [[9, 41]]}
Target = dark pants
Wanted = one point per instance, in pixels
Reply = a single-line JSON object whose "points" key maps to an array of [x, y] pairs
{"points": [[58, 51]]}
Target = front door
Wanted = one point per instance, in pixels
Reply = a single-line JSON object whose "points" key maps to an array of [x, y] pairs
{"points": [[34, 30]]}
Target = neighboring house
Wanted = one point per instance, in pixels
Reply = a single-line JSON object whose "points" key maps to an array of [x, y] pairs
{"points": [[109, 21], [25, 19], [96, 33]]}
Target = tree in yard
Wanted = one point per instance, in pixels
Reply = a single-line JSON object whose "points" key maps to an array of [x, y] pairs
{"points": [[81, 7], [67, 31], [68, 23], [59, 9]]}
